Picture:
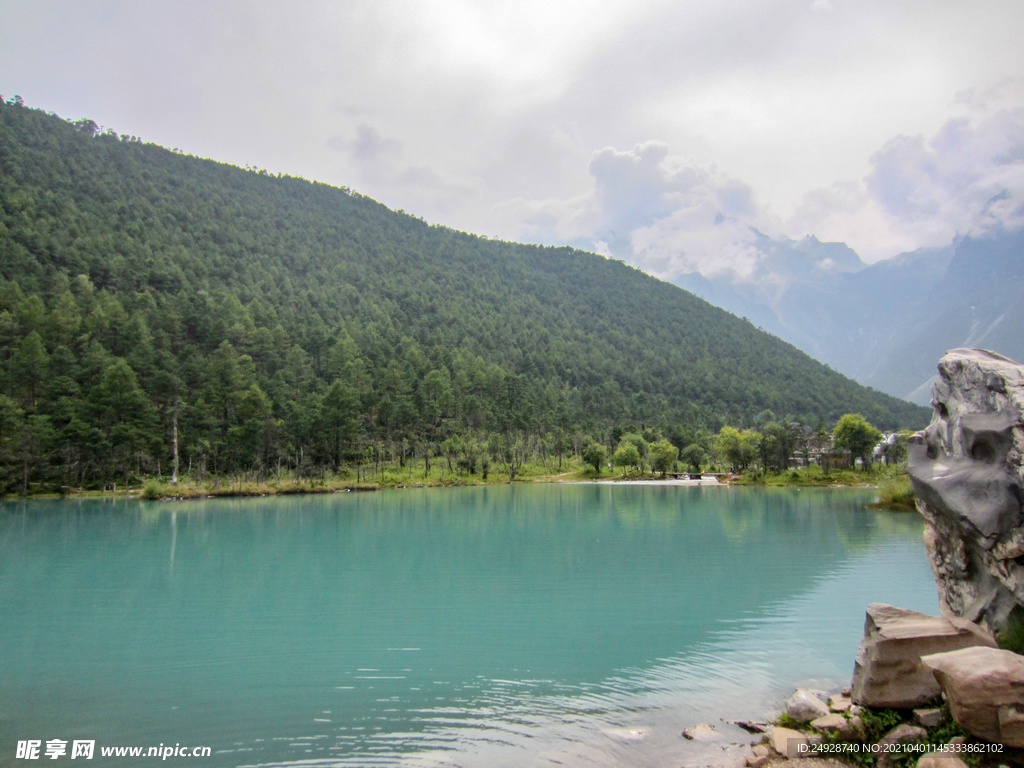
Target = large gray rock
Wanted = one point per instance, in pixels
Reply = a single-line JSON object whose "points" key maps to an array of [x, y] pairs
{"points": [[968, 475], [985, 690], [888, 671]]}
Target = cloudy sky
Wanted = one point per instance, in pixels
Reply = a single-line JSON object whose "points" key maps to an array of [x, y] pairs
{"points": [[658, 131]]}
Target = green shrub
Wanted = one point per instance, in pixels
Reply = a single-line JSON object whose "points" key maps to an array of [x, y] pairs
{"points": [[896, 493], [151, 491], [1011, 635]]}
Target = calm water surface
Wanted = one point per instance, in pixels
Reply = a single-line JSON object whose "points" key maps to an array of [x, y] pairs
{"points": [[498, 626]]}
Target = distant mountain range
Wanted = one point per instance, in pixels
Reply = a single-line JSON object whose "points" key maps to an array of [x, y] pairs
{"points": [[885, 325]]}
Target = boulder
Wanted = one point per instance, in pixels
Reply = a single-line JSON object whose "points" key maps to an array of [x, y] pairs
{"points": [[804, 706], [985, 690], [888, 670], [967, 471]]}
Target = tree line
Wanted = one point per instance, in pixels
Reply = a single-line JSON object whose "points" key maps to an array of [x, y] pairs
{"points": [[774, 445]]}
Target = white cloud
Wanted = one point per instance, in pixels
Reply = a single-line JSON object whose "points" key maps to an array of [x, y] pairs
{"points": [[382, 170], [449, 108], [661, 212], [966, 179], [669, 215]]}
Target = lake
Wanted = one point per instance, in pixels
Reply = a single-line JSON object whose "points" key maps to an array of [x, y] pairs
{"points": [[495, 626]]}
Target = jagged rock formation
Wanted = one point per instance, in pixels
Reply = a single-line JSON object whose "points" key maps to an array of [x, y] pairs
{"points": [[967, 470], [888, 671]]}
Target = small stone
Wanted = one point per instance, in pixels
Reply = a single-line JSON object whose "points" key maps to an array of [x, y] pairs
{"points": [[839, 703], [702, 732], [750, 726], [839, 725], [804, 706], [928, 718], [759, 756], [940, 760], [832, 723], [902, 734], [789, 743], [898, 735]]}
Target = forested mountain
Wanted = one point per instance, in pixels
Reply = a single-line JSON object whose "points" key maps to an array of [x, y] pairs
{"points": [[273, 319]]}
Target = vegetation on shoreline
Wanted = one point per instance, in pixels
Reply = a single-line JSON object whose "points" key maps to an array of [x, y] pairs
{"points": [[815, 476], [415, 475]]}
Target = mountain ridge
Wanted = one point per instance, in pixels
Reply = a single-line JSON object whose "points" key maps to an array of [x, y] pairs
{"points": [[240, 303], [885, 324]]}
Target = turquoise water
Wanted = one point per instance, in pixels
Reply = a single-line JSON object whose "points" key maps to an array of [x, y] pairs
{"points": [[585, 624]]}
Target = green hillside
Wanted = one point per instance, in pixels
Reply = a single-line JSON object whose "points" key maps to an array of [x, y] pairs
{"points": [[289, 321]]}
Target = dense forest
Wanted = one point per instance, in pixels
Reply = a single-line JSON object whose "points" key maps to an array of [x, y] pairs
{"points": [[150, 299]]}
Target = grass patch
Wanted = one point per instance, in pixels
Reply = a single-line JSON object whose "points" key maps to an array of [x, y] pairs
{"points": [[896, 493], [815, 476]]}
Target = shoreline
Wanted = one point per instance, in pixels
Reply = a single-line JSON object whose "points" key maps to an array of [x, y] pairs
{"points": [[167, 492]]}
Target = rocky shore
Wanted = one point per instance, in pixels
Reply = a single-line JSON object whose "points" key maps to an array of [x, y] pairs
{"points": [[929, 691], [934, 691]]}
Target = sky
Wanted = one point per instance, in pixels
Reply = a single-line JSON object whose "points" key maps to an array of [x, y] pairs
{"points": [[659, 132]]}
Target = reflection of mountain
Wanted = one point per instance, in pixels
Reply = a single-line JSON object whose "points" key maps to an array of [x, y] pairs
{"points": [[887, 324], [409, 611]]}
